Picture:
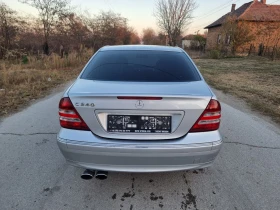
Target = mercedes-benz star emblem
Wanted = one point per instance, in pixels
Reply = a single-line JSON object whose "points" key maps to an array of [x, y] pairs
{"points": [[139, 104]]}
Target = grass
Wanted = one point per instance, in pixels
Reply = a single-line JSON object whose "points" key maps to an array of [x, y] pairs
{"points": [[21, 83], [256, 80]]}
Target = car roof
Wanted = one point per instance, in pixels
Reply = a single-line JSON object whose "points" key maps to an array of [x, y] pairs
{"points": [[141, 47]]}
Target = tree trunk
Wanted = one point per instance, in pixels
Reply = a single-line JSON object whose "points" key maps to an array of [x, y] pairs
{"points": [[46, 48], [250, 50], [61, 51], [274, 53], [261, 50]]}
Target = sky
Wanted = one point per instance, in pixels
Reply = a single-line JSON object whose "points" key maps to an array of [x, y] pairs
{"points": [[140, 12]]}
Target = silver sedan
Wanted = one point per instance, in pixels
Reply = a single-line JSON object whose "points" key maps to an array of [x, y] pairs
{"points": [[139, 109]]}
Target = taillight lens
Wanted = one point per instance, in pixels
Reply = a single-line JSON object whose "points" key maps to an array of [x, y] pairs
{"points": [[210, 118], [69, 117]]}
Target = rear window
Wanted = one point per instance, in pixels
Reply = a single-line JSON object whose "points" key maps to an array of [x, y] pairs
{"points": [[141, 66]]}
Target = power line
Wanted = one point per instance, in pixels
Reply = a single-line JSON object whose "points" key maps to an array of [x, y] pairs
{"points": [[225, 5], [214, 10], [274, 1], [202, 25], [218, 10], [212, 14]]}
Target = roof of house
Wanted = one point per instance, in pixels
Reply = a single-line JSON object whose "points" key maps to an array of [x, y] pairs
{"points": [[192, 36], [188, 37], [252, 11]]}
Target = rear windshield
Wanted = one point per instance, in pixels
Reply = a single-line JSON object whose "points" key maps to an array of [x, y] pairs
{"points": [[141, 66]]}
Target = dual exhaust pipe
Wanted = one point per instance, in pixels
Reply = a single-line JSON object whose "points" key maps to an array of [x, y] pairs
{"points": [[89, 174]]}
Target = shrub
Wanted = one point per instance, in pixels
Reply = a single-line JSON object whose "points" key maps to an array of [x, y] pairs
{"points": [[214, 54], [24, 59]]}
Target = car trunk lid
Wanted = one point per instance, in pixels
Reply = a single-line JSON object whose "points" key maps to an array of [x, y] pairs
{"points": [[184, 102]]}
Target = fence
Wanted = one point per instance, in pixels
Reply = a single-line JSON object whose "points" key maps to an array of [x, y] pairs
{"points": [[265, 51]]}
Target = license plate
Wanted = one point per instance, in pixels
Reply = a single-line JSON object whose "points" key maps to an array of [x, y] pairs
{"points": [[138, 124]]}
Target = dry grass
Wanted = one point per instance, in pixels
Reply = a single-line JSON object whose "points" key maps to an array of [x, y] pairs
{"points": [[22, 83], [43, 62], [256, 80]]}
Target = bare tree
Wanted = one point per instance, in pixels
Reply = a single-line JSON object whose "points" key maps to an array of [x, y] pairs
{"points": [[7, 28], [49, 11], [236, 33], [11, 27], [269, 38], [149, 36], [173, 16], [109, 28], [72, 27], [64, 32], [134, 37]]}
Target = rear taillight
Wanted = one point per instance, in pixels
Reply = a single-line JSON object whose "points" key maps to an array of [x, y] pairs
{"points": [[69, 117], [210, 118]]}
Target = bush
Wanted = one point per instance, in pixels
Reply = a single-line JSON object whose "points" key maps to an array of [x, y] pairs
{"points": [[24, 59], [214, 54]]}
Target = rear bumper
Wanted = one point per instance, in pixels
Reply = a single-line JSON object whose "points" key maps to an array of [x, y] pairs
{"points": [[194, 151]]}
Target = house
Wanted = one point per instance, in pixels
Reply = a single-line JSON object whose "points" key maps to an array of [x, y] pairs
{"points": [[193, 41], [263, 21], [188, 40]]}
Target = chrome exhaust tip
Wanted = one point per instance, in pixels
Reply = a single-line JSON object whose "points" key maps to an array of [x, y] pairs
{"points": [[101, 175], [88, 174]]}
